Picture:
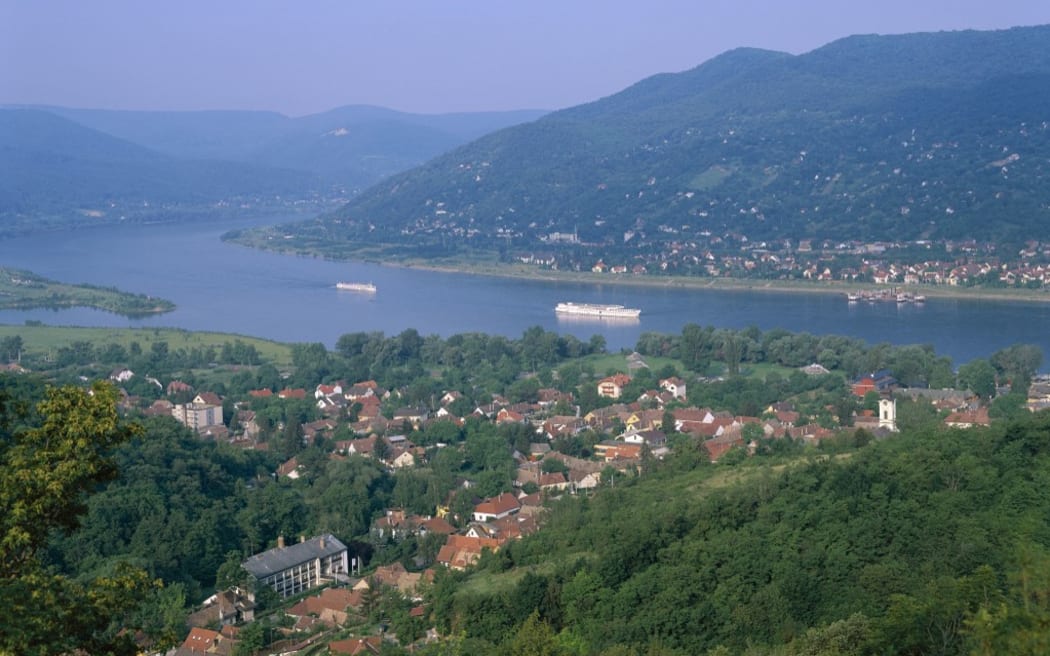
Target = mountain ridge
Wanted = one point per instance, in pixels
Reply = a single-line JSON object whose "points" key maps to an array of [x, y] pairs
{"points": [[61, 165], [758, 143]]}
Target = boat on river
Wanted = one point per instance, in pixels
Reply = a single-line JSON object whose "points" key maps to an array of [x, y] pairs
{"points": [[363, 287], [885, 296], [597, 310]]}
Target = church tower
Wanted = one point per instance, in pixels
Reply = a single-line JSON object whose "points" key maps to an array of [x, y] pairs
{"points": [[888, 413]]}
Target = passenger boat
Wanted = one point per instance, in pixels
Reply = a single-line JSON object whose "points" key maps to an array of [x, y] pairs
{"points": [[364, 287], [597, 310]]}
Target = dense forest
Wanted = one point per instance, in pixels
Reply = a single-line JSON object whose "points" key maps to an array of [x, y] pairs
{"points": [[933, 542]]}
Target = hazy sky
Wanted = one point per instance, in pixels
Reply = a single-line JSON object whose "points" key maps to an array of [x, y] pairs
{"points": [[304, 56]]}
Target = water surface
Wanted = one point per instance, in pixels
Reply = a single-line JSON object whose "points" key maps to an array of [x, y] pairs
{"points": [[229, 288]]}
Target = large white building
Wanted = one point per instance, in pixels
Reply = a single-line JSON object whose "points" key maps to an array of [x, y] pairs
{"points": [[292, 569]]}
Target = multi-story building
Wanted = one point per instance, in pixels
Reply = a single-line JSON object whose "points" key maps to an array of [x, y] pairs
{"points": [[292, 569], [205, 410]]}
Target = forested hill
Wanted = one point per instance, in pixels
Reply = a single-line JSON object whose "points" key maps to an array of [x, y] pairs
{"points": [[930, 542], [939, 135]]}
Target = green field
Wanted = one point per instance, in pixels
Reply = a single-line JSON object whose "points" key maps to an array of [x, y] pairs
{"points": [[45, 339]]}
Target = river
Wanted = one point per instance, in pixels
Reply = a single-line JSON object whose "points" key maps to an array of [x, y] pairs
{"points": [[228, 288]]}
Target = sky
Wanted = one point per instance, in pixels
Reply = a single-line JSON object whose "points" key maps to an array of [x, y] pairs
{"points": [[429, 56]]}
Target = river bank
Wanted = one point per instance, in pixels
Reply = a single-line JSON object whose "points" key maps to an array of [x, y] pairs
{"points": [[493, 268]]}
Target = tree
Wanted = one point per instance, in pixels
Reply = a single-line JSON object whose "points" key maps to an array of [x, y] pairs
{"points": [[533, 638], [978, 376], [668, 424], [250, 639], [1020, 623], [1018, 364], [46, 472], [11, 348], [231, 573]]}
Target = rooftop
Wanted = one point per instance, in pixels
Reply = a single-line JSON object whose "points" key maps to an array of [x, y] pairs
{"points": [[279, 559]]}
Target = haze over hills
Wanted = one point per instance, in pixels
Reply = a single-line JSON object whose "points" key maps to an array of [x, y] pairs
{"points": [[63, 162], [53, 167], [920, 136], [351, 146]]}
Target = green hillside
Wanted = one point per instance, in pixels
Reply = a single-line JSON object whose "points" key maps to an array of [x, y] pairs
{"points": [[922, 136], [925, 543]]}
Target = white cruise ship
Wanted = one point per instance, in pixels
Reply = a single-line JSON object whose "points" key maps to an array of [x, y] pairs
{"points": [[365, 287], [599, 311]]}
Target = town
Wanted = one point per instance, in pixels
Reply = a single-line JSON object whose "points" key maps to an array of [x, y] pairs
{"points": [[962, 264], [509, 453]]}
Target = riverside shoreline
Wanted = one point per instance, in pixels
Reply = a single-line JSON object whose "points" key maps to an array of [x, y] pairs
{"points": [[524, 272]]}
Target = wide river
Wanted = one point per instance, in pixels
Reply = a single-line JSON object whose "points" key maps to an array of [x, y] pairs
{"points": [[228, 288]]}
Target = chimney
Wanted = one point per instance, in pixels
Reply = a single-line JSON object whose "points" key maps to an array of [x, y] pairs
{"points": [[280, 542], [302, 538], [322, 542]]}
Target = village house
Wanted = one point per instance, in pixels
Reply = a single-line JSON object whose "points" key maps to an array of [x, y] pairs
{"points": [[232, 606], [548, 397], [610, 450], [290, 469], [202, 641], [332, 607], [121, 375], [178, 387], [413, 416], [612, 387], [356, 646], [364, 447], [676, 386], [602, 418], [561, 426], [159, 408], [717, 447], [322, 391], [461, 551], [814, 369], [553, 482], [290, 393], [878, 381], [968, 418], [653, 438], [496, 507]]}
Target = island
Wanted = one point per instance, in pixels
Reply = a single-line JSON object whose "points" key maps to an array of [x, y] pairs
{"points": [[24, 290]]}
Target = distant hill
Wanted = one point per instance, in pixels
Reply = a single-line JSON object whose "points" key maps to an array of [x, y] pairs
{"points": [[939, 135], [352, 146], [50, 165]]}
